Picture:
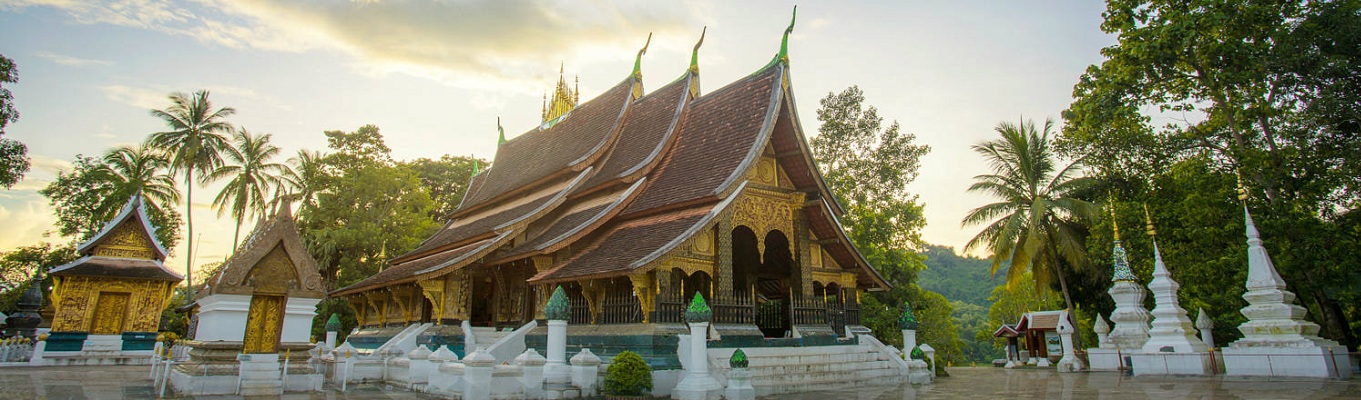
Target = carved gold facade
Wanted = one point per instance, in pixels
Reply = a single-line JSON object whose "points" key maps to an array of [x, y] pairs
{"points": [[108, 305], [264, 324], [126, 241]]}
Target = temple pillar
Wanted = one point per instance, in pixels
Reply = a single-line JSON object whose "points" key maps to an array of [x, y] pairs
{"points": [[542, 292], [803, 255], [723, 268]]}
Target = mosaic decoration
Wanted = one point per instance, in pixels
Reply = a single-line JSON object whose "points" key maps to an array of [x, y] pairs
{"points": [[698, 311], [333, 324], [1121, 263], [908, 320], [917, 353], [738, 359], [557, 308]]}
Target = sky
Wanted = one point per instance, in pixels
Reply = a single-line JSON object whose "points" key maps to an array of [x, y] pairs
{"points": [[435, 76]]}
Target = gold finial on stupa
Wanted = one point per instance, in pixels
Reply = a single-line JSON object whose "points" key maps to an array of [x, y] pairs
{"points": [[564, 98]]}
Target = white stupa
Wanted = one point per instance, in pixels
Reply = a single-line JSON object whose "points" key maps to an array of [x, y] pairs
{"points": [[1172, 348], [1130, 317], [1277, 340]]}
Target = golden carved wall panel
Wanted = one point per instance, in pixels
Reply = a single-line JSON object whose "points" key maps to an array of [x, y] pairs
{"points": [[76, 300], [433, 290], [703, 242], [126, 241], [816, 254], [764, 211], [264, 324], [274, 274], [111, 308]]}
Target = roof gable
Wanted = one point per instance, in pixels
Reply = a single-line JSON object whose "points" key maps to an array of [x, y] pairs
{"points": [[127, 235], [271, 260]]}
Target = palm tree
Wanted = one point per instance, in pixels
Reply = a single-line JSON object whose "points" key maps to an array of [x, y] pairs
{"points": [[1037, 224], [137, 169], [249, 175], [192, 144], [300, 181]]}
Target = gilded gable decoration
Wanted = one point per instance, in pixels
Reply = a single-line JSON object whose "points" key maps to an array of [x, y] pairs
{"points": [[271, 260], [564, 100]]}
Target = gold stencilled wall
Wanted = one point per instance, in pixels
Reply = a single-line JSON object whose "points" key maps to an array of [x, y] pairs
{"points": [[76, 299]]}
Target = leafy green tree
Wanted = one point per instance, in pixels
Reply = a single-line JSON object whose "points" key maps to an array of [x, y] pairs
{"points": [[193, 145], [1038, 224], [249, 174], [447, 180], [368, 208], [1267, 90], [17, 267], [867, 168], [13, 154], [92, 194]]}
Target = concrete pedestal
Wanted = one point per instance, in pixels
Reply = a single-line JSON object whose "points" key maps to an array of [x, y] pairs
{"points": [[1173, 363], [697, 384], [1103, 359], [260, 375], [739, 385], [1307, 362]]}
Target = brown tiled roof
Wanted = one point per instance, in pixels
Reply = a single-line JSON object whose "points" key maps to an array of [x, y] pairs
{"points": [[410, 269], [100, 266], [644, 133], [540, 153], [716, 137], [617, 251], [469, 227]]}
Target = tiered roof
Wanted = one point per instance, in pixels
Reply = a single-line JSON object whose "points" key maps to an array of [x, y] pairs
{"points": [[125, 248], [627, 176]]}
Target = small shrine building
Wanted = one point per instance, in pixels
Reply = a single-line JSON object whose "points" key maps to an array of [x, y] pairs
{"points": [[633, 201], [108, 302]]}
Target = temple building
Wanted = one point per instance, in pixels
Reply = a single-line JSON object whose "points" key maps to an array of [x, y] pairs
{"points": [[633, 201], [108, 303]]}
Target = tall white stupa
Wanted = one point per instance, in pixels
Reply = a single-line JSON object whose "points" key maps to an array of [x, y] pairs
{"points": [[1172, 348], [1130, 317], [1277, 340]]}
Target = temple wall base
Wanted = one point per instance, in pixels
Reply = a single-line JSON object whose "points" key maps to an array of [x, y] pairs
{"points": [[1104, 359], [1199, 363], [1306, 362]]}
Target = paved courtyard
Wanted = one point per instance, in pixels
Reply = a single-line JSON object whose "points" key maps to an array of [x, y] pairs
{"points": [[964, 383]]}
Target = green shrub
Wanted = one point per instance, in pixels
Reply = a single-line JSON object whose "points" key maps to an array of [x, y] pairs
{"points": [[628, 375]]}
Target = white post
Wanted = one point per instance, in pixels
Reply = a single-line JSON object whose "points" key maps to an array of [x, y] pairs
{"points": [[909, 342], [477, 373], [331, 340], [697, 384], [585, 370], [556, 370], [1069, 362], [1206, 326]]}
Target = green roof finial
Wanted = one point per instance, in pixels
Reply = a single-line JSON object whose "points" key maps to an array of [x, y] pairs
{"points": [[699, 310], [917, 353], [333, 324], [784, 43], [907, 321], [477, 167], [502, 139], [738, 360], [638, 62], [557, 308], [694, 55]]}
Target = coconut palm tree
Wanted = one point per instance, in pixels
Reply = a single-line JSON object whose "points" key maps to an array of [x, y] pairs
{"points": [[1036, 225], [301, 179], [192, 145], [137, 169], [249, 174]]}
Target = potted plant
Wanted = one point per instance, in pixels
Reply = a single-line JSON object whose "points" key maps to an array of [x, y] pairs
{"points": [[628, 377]]}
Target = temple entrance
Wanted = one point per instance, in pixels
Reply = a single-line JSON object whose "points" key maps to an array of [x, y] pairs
{"points": [[482, 311], [427, 310], [110, 309], [264, 324]]}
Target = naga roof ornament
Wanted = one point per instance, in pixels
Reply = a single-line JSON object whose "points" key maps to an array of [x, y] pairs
{"points": [[694, 64], [637, 88], [500, 140]]}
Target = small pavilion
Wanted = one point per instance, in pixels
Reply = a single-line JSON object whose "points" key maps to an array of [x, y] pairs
{"points": [[108, 303], [1037, 334]]}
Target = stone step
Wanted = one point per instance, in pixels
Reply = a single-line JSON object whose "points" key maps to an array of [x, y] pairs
{"points": [[818, 368], [805, 382]]}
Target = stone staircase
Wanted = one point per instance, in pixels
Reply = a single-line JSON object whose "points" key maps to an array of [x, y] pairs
{"points": [[800, 369]]}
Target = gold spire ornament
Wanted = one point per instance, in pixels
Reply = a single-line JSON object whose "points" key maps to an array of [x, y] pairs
{"points": [[1148, 220], [1115, 223], [637, 88], [564, 100]]}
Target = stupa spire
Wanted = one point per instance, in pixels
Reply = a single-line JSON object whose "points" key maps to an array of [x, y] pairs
{"points": [[564, 98], [1171, 327], [1119, 258]]}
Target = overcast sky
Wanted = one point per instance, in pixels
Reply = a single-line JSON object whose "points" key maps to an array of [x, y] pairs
{"points": [[434, 76]]}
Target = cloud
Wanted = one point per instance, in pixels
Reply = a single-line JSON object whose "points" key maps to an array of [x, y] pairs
{"points": [[71, 61], [469, 43], [137, 97]]}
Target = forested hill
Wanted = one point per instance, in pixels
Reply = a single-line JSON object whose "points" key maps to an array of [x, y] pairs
{"points": [[966, 279]]}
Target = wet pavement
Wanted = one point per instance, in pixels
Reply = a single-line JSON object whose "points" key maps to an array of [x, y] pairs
{"points": [[132, 382]]}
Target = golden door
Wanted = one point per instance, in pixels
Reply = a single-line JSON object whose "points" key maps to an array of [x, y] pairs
{"points": [[264, 324], [110, 310]]}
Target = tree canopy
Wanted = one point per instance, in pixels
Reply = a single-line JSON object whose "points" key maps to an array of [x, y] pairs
{"points": [[13, 154]]}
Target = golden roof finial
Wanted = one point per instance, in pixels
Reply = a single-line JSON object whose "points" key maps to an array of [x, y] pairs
{"points": [[1242, 190], [1115, 223], [1148, 220]]}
